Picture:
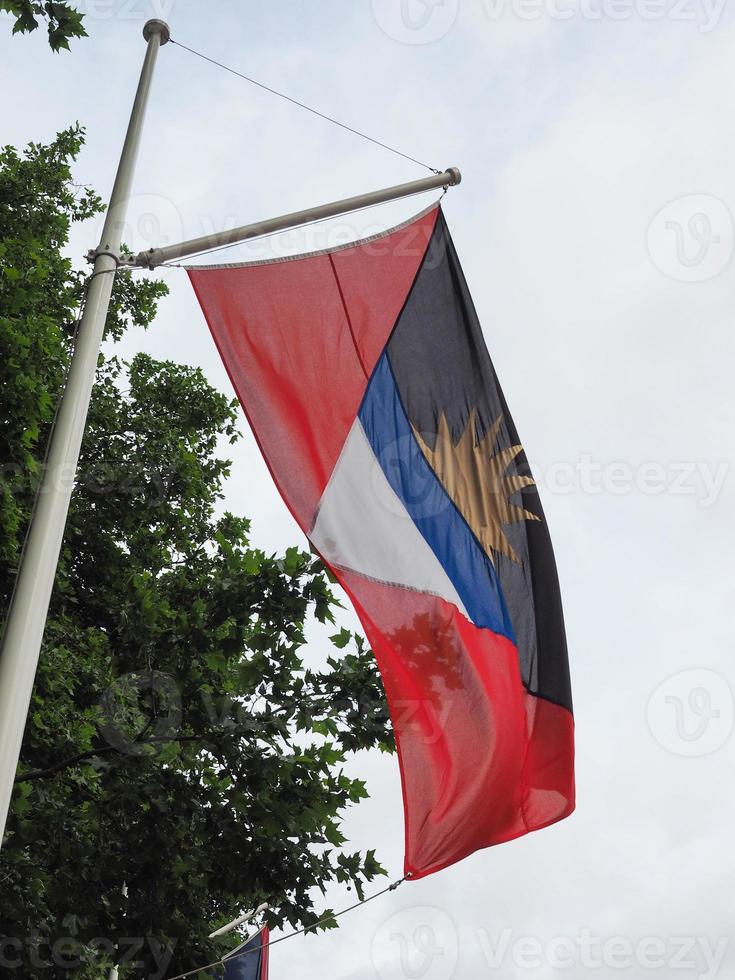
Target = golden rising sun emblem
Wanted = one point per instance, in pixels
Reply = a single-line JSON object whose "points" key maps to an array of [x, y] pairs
{"points": [[475, 478]]}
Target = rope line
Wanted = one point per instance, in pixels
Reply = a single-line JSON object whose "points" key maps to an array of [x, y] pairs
{"points": [[289, 935], [302, 105]]}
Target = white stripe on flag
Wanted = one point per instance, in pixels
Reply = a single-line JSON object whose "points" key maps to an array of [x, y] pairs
{"points": [[363, 526]]}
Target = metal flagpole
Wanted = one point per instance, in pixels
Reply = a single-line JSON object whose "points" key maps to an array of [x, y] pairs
{"points": [[29, 607], [26, 619], [114, 970], [264, 907], [157, 256]]}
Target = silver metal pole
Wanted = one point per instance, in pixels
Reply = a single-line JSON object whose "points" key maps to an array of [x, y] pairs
{"points": [[156, 256], [28, 610], [238, 921], [114, 971]]}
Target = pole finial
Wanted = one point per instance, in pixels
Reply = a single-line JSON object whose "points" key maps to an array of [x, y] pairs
{"points": [[455, 175], [156, 26]]}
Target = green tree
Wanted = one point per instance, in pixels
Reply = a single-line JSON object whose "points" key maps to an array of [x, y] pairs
{"points": [[62, 21], [177, 743]]}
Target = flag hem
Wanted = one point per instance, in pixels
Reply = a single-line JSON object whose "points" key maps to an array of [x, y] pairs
{"points": [[323, 251]]}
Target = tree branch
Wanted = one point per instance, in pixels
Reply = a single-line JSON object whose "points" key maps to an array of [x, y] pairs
{"points": [[27, 777]]}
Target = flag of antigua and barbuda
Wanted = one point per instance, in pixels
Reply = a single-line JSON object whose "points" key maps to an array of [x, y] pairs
{"points": [[365, 376]]}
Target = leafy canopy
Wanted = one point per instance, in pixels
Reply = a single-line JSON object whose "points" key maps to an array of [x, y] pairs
{"points": [[63, 21], [178, 743]]}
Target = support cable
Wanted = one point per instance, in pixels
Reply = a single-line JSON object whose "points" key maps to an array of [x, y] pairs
{"points": [[302, 105], [289, 935]]}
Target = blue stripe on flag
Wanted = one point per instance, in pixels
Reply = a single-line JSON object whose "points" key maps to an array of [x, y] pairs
{"points": [[433, 512], [246, 963]]}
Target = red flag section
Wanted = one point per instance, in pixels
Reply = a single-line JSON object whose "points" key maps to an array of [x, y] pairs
{"points": [[300, 338]]}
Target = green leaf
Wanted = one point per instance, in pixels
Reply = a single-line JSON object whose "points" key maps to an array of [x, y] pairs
{"points": [[342, 638]]}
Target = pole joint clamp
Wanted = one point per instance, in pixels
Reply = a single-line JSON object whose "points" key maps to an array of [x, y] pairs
{"points": [[121, 259]]}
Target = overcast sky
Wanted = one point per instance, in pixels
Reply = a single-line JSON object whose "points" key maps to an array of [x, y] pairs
{"points": [[597, 144]]}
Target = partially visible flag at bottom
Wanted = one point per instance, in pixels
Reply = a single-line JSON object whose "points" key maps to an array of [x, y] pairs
{"points": [[250, 960]]}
